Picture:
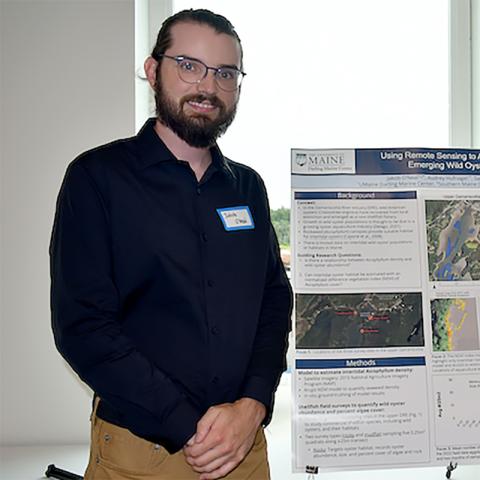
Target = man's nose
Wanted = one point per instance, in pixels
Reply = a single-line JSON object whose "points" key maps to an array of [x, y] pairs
{"points": [[209, 83]]}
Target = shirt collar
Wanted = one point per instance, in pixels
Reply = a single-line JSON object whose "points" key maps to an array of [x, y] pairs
{"points": [[152, 150]]}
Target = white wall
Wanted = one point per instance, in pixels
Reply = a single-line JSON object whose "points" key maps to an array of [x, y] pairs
{"points": [[67, 84]]}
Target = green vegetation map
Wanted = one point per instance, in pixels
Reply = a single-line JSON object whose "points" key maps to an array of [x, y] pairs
{"points": [[454, 324], [359, 320]]}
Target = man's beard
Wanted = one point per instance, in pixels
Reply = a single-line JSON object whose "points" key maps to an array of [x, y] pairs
{"points": [[197, 130]]}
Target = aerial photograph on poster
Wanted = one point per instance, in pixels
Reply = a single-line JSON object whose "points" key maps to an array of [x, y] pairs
{"points": [[359, 320], [454, 324], [453, 238]]}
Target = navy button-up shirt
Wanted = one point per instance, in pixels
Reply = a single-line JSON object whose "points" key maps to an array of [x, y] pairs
{"points": [[158, 306]]}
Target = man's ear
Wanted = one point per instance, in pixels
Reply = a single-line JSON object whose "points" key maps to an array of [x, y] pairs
{"points": [[150, 67]]}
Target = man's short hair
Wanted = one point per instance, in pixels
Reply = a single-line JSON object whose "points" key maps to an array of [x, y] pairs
{"points": [[201, 16]]}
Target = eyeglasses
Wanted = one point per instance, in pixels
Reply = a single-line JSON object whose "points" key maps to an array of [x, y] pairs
{"points": [[191, 70]]}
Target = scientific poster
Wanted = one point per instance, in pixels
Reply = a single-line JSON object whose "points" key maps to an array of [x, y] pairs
{"points": [[386, 273]]}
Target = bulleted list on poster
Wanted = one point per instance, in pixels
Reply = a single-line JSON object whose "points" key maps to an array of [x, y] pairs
{"points": [[386, 272]]}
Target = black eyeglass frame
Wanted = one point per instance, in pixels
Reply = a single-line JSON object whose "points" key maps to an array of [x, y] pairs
{"points": [[216, 70]]}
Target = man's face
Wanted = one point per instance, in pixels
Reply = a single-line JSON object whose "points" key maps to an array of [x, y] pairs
{"points": [[198, 113]]}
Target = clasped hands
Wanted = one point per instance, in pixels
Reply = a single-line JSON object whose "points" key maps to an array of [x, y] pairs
{"points": [[224, 436]]}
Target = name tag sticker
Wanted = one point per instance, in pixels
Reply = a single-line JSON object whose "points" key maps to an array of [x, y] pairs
{"points": [[236, 218]]}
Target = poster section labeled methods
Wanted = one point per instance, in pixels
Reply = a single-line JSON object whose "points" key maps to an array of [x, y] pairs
{"points": [[386, 271]]}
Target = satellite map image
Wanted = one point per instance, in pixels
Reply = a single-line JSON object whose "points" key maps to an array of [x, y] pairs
{"points": [[454, 324], [453, 239], [359, 320]]}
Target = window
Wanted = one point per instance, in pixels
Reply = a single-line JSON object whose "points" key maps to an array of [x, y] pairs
{"points": [[335, 74]]}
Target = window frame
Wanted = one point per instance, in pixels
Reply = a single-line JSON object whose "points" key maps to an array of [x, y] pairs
{"points": [[460, 73]]}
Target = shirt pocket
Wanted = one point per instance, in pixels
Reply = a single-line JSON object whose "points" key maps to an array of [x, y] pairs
{"points": [[121, 450]]}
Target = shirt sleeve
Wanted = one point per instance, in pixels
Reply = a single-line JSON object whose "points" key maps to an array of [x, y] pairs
{"points": [[268, 360], [85, 320]]}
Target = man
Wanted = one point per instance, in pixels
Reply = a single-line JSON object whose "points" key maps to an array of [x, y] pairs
{"points": [[169, 298]]}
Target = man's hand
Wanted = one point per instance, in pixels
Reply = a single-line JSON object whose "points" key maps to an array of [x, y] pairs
{"points": [[224, 436]]}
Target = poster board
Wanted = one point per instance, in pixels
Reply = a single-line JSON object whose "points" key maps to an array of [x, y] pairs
{"points": [[386, 273]]}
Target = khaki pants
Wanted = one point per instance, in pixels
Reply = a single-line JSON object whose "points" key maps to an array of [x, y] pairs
{"points": [[118, 454]]}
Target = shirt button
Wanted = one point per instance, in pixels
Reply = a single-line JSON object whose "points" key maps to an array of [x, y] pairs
{"points": [[215, 380], [215, 330], [210, 283], [199, 190], [204, 237]]}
